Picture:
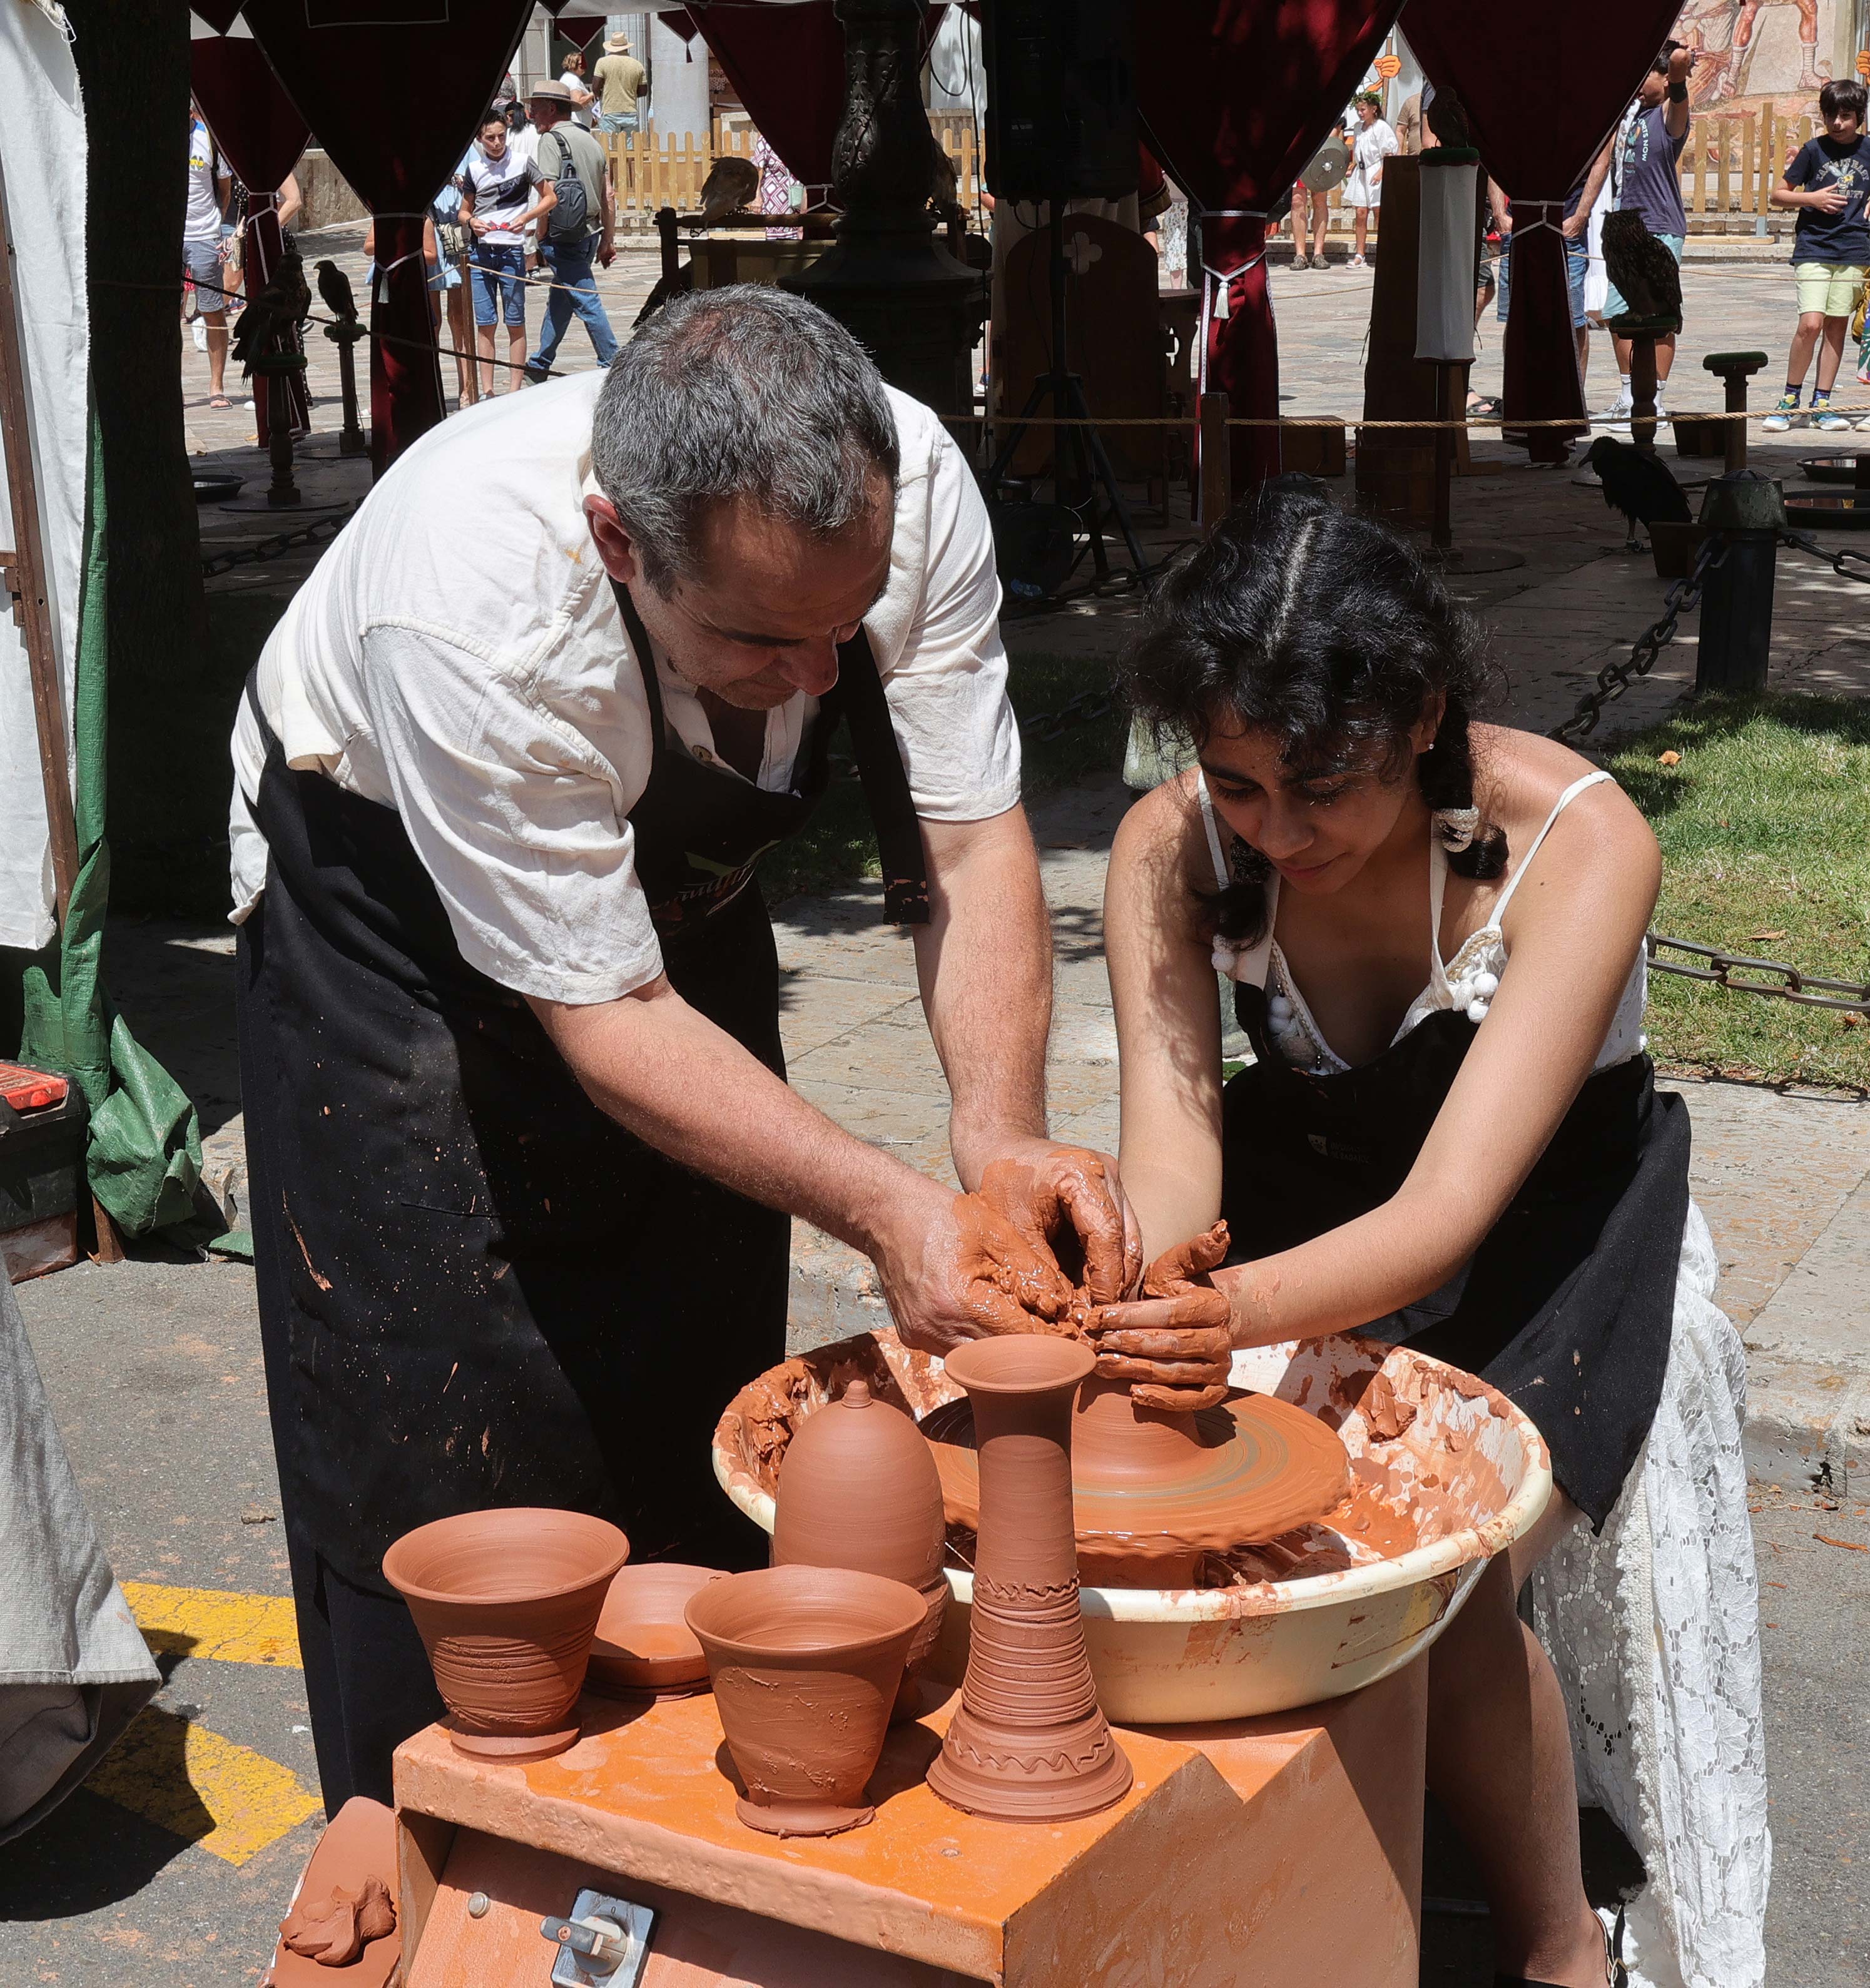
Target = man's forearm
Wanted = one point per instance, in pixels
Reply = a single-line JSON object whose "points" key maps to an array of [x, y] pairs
{"points": [[688, 1088], [984, 961]]}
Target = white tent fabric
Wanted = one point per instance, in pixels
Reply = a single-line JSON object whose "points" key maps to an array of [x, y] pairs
{"points": [[41, 147]]}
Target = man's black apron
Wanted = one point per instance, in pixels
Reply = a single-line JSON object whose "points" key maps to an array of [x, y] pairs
{"points": [[1566, 1307], [483, 1290]]}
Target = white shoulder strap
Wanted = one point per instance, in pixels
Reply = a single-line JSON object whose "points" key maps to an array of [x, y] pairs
{"points": [[1221, 878], [1246, 965], [1564, 800]]}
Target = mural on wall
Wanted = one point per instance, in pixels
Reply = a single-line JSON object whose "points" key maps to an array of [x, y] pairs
{"points": [[1751, 53]]}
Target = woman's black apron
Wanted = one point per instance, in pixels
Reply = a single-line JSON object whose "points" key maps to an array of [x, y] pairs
{"points": [[1566, 1307], [475, 1288]]}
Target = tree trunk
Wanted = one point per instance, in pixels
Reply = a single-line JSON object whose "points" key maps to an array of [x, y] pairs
{"points": [[167, 783]]}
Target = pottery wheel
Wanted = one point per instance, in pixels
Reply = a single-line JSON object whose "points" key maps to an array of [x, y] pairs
{"points": [[1151, 1493]]}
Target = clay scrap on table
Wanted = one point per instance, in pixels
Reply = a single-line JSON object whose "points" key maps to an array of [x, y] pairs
{"points": [[342, 1931], [334, 1929]]}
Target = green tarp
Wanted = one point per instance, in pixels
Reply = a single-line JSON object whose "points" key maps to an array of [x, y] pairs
{"points": [[144, 1157]]}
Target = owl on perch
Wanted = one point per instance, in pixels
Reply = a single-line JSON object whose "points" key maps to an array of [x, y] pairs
{"points": [[1641, 268]]}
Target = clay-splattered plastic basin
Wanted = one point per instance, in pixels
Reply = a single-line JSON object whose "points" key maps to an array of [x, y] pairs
{"points": [[505, 1602], [1446, 1473]]}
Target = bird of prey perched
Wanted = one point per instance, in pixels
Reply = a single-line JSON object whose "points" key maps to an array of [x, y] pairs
{"points": [[334, 287], [1641, 268], [269, 319], [1638, 485], [731, 182]]}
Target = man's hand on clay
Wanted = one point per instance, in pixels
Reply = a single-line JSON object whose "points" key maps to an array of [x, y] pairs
{"points": [[1174, 1345], [1050, 1192], [973, 1274]]}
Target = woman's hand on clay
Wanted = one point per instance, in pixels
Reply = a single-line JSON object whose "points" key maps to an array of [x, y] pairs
{"points": [[972, 1274], [1174, 1345], [1049, 1193]]}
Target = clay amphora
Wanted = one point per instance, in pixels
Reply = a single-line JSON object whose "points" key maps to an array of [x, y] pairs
{"points": [[857, 1487], [505, 1602], [805, 1662], [1027, 1742], [643, 1648]]}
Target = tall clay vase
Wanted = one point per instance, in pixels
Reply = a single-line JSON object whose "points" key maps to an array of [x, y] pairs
{"points": [[858, 1488], [1027, 1742]]}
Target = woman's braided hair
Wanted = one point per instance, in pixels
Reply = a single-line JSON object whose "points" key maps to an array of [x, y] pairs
{"points": [[1326, 631]]}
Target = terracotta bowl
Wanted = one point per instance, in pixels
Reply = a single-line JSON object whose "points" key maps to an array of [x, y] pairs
{"points": [[805, 1662], [505, 1602], [643, 1648]]}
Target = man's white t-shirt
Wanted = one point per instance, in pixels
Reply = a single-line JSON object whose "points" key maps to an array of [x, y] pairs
{"points": [[202, 221], [458, 655], [503, 189]]}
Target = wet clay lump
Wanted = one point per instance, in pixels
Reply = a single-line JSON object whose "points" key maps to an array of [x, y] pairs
{"points": [[1027, 1742], [342, 1931]]}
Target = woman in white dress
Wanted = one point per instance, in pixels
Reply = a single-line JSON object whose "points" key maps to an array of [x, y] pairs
{"points": [[1372, 144], [1450, 1134]]}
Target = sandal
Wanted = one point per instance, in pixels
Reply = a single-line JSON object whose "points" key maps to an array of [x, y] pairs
{"points": [[1615, 1974], [219, 400]]}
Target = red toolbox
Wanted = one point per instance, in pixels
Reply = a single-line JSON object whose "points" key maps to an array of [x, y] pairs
{"points": [[42, 1119]]}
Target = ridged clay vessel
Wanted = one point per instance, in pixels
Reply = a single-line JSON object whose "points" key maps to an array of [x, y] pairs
{"points": [[505, 1602], [805, 1662], [1028, 1742], [858, 1488]]}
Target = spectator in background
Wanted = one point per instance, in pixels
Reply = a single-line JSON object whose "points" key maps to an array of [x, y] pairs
{"points": [[567, 258], [1314, 208], [210, 184], [1371, 144], [1642, 155], [1828, 186], [500, 197], [581, 97], [618, 77]]}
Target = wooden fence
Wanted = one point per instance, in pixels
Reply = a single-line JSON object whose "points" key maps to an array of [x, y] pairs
{"points": [[1730, 164]]}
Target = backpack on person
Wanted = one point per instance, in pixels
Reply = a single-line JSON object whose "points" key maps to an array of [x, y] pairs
{"points": [[571, 219]]}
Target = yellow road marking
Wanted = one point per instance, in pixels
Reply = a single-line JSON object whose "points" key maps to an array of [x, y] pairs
{"points": [[212, 1622], [201, 1787]]}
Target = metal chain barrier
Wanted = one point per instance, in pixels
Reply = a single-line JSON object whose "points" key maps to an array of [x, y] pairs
{"points": [[1792, 986], [1804, 541], [262, 550], [1614, 678]]}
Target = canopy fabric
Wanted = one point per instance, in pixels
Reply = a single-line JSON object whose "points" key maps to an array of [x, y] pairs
{"points": [[397, 145], [220, 15], [580, 29], [786, 61], [1234, 97], [1590, 58], [680, 22], [262, 136]]}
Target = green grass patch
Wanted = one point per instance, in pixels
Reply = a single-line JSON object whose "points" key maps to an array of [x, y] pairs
{"points": [[1764, 823], [837, 844]]}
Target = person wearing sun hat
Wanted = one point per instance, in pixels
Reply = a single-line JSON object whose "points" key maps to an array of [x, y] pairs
{"points": [[619, 78]]}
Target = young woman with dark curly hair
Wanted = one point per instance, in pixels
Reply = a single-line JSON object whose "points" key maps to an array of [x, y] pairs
{"points": [[1450, 1134]]}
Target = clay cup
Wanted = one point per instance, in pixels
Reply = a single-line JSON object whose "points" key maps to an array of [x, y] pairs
{"points": [[505, 1602], [805, 1662]]}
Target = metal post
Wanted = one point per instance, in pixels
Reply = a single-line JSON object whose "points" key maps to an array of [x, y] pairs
{"points": [[1216, 471], [1642, 391], [282, 492], [1747, 512]]}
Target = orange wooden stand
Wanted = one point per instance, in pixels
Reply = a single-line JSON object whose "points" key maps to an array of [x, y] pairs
{"points": [[1269, 1852]]}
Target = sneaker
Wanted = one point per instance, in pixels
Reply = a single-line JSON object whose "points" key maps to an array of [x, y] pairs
{"points": [[1356, 262], [1828, 421], [1785, 416], [1864, 425], [1617, 415]]}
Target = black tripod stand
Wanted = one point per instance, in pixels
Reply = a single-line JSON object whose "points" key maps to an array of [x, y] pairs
{"points": [[1065, 392]]}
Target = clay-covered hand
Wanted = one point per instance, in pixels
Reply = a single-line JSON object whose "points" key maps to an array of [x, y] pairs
{"points": [[1052, 1193], [1174, 1345], [972, 1274]]}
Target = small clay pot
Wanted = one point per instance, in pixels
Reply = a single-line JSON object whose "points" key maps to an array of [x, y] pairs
{"points": [[858, 1488], [805, 1662], [505, 1602], [643, 1648]]}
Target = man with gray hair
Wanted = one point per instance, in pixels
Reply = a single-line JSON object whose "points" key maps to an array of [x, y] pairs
{"points": [[523, 1153]]}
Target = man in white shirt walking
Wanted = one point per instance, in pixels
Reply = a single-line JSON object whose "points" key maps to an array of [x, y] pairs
{"points": [[210, 186], [502, 193], [523, 1150]]}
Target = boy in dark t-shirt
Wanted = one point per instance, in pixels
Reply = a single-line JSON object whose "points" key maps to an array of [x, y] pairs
{"points": [[1828, 184]]}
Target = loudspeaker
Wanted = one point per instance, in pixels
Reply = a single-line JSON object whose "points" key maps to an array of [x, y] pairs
{"points": [[1061, 99]]}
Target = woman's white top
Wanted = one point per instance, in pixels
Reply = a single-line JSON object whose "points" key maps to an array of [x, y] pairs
{"points": [[1468, 982]]}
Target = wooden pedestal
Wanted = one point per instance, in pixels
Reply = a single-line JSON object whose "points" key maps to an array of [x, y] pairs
{"points": [[1262, 1852]]}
